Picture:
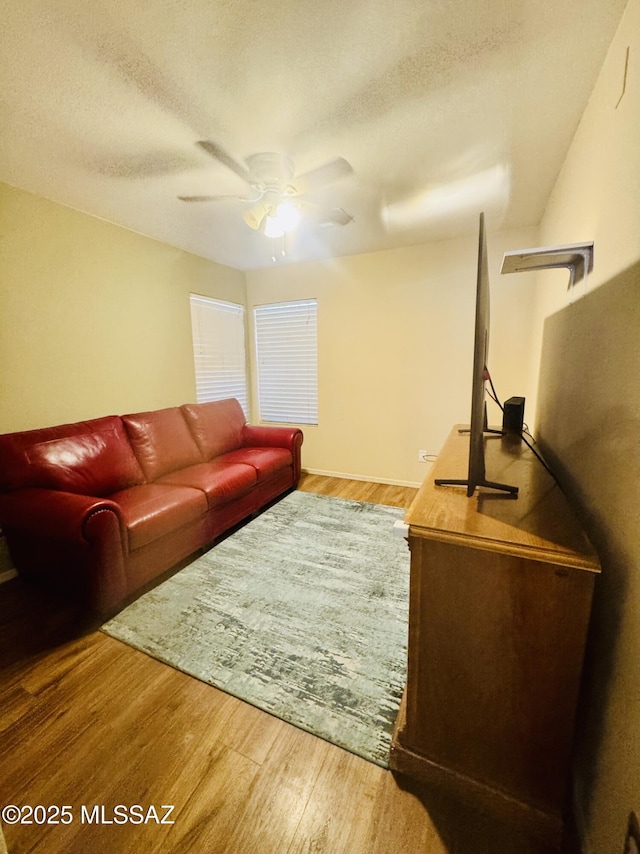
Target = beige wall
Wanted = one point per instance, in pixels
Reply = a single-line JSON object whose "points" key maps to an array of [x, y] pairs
{"points": [[597, 194], [94, 319], [395, 349], [589, 421]]}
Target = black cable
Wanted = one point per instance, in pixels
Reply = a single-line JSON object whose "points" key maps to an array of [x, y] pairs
{"points": [[494, 396], [530, 446]]}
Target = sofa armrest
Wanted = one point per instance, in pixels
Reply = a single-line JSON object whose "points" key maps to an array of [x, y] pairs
{"points": [[53, 513], [76, 541], [271, 437], [290, 438]]}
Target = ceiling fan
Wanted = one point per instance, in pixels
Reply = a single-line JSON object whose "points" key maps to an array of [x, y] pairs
{"points": [[276, 193]]}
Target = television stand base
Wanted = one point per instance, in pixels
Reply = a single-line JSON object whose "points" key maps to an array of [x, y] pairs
{"points": [[490, 484], [491, 430]]}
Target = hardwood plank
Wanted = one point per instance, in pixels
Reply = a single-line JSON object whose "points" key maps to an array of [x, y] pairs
{"points": [[358, 490], [97, 767], [53, 725], [33, 621], [87, 748], [208, 819], [401, 822], [250, 731], [77, 655], [15, 705], [173, 754], [330, 823], [282, 789]]}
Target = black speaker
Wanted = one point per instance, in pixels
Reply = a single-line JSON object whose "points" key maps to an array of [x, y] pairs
{"points": [[513, 415]]}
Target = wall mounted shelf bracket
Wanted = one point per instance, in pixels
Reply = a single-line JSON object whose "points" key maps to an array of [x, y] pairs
{"points": [[576, 257]]}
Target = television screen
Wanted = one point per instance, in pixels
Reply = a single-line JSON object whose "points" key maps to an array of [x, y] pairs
{"points": [[478, 425]]}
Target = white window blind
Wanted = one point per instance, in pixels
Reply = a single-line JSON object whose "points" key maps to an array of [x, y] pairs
{"points": [[287, 361], [219, 350]]}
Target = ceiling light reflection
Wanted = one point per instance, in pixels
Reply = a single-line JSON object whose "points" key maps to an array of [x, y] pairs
{"points": [[488, 190]]}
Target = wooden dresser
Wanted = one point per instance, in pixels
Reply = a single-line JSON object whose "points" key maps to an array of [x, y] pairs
{"points": [[500, 597]]}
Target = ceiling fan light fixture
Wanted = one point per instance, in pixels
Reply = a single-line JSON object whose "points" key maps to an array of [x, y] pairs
{"points": [[288, 214], [281, 219], [272, 226]]}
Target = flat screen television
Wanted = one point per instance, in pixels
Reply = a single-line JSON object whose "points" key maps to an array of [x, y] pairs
{"points": [[478, 427]]}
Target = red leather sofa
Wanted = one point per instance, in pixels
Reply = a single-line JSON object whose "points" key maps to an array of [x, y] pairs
{"points": [[101, 508]]}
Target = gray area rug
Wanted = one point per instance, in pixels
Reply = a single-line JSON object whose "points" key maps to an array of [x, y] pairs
{"points": [[302, 612]]}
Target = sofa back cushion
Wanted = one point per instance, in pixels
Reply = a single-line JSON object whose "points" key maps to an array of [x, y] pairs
{"points": [[87, 458], [161, 441], [216, 426]]}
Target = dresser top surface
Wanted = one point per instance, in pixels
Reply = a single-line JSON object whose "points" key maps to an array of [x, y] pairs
{"points": [[537, 524]]}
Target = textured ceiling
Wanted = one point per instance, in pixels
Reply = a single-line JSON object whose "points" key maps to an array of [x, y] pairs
{"points": [[442, 109]]}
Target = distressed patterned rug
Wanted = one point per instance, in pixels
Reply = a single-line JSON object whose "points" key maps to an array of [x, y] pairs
{"points": [[302, 612]]}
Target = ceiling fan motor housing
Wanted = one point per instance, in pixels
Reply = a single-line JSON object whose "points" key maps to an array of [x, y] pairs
{"points": [[271, 169], [270, 176]]}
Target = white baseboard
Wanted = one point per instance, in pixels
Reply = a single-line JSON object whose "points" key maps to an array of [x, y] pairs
{"points": [[362, 477]]}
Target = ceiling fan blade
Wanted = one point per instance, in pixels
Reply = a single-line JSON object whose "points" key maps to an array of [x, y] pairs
{"points": [[337, 216], [326, 174], [214, 199], [216, 151]]}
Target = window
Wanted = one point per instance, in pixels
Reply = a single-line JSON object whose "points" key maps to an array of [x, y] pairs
{"points": [[287, 361], [219, 350]]}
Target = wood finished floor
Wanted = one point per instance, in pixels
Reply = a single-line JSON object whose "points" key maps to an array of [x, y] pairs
{"points": [[85, 720]]}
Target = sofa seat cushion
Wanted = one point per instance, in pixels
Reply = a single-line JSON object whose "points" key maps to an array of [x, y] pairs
{"points": [[220, 481], [266, 461], [152, 510]]}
